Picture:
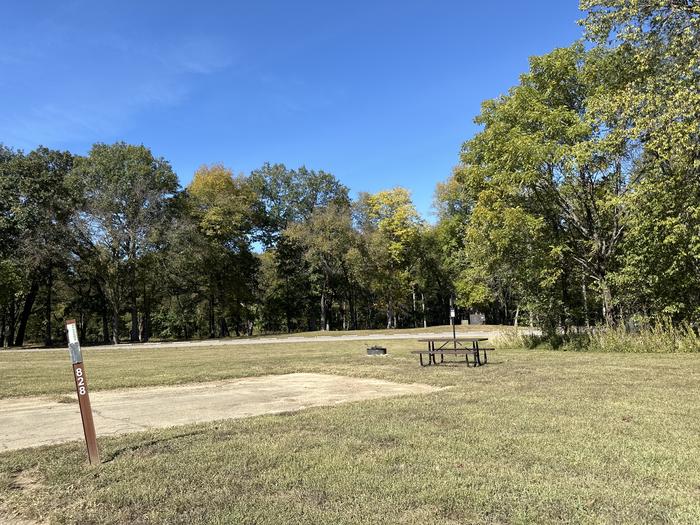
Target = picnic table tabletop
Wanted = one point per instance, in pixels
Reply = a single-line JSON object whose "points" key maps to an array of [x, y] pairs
{"points": [[448, 339]]}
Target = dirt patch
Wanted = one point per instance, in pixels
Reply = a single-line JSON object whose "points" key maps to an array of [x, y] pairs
{"points": [[25, 480], [31, 422]]}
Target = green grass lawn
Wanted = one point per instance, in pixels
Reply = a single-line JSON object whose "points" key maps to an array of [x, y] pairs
{"points": [[534, 437]]}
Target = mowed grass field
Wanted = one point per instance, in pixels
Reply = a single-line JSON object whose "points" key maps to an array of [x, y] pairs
{"points": [[533, 437]]}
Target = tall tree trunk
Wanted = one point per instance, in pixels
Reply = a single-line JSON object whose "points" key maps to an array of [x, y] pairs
{"points": [[223, 327], [48, 341], [2, 327], [105, 325], [26, 312], [311, 319], [134, 332], [607, 302], [11, 321], [324, 320], [83, 320], [212, 326], [389, 314], [415, 316], [584, 291], [422, 301], [566, 301], [133, 307], [146, 317], [115, 325], [185, 327], [329, 314], [353, 311], [517, 316]]}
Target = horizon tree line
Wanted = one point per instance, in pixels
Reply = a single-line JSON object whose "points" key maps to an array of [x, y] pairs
{"points": [[111, 240]]}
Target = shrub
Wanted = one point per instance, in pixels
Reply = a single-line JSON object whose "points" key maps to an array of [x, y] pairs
{"points": [[660, 337]]}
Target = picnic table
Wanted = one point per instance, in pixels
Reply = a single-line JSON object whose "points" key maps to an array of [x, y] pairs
{"points": [[466, 346]]}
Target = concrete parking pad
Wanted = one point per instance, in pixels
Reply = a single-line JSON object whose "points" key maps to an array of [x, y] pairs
{"points": [[36, 421]]}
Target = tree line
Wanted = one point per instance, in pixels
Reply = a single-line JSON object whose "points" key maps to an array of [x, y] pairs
{"points": [[577, 204], [111, 240]]}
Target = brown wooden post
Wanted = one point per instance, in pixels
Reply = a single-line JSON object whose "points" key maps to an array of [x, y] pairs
{"points": [[81, 388]]}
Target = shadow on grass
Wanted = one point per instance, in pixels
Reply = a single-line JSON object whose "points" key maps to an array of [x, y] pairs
{"points": [[136, 447]]}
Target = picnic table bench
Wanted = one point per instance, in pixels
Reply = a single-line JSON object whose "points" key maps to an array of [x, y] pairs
{"points": [[459, 347]]}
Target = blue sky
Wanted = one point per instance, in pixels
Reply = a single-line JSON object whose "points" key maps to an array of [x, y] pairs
{"points": [[379, 93]]}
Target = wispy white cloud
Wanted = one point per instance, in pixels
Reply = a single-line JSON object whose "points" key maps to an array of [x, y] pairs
{"points": [[70, 87], [198, 55], [49, 124]]}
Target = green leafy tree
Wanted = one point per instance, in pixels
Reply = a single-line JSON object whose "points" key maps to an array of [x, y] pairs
{"points": [[654, 94], [10, 281], [660, 274], [223, 207], [285, 288], [548, 181], [286, 198], [181, 266], [651, 92], [391, 229], [289, 196], [432, 286], [126, 192], [326, 238], [37, 205]]}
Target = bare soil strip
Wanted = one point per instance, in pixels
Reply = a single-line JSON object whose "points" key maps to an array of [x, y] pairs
{"points": [[36, 421]]}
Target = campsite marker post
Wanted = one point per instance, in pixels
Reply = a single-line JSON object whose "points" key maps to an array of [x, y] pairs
{"points": [[82, 390]]}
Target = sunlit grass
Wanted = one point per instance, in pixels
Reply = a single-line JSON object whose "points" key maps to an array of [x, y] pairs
{"points": [[533, 437]]}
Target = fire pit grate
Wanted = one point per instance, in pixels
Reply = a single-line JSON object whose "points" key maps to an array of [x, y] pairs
{"points": [[376, 350]]}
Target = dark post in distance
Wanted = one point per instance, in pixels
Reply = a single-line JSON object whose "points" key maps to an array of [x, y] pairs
{"points": [[452, 322], [82, 390]]}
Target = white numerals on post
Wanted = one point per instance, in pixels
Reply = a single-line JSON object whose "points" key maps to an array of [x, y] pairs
{"points": [[80, 380]]}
